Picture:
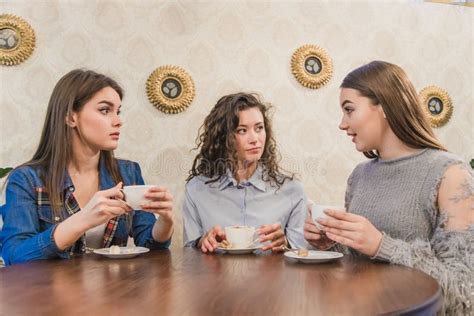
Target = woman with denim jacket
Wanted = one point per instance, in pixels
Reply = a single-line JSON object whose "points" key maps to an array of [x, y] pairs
{"points": [[68, 197]]}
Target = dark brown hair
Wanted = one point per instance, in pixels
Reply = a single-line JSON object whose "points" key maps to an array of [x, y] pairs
{"points": [[54, 151], [216, 140], [388, 85]]}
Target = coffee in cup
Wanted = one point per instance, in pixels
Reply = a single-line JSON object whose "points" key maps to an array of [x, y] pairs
{"points": [[240, 236], [135, 195]]}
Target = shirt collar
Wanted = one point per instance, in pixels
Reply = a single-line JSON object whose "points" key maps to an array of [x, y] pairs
{"points": [[256, 180]]}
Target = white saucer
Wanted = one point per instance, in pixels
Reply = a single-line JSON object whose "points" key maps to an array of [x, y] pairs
{"points": [[238, 251], [125, 252], [315, 256]]}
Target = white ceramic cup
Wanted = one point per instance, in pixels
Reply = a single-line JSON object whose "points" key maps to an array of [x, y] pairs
{"points": [[135, 195], [240, 236], [317, 211]]}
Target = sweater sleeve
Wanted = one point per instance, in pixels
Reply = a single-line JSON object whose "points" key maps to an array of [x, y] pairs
{"points": [[448, 255]]}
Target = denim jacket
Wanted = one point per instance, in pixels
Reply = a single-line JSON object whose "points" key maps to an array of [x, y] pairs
{"points": [[29, 221]]}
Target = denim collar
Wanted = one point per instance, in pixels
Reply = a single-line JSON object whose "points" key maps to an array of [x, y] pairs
{"points": [[256, 180]]}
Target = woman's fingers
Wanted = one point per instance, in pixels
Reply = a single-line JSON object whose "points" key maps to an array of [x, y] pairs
{"points": [[273, 233], [168, 205], [275, 245], [160, 199], [210, 243], [312, 228], [348, 234], [112, 207], [113, 202], [114, 211], [159, 194], [266, 229], [114, 192], [278, 233], [344, 216], [311, 231], [341, 239], [219, 232], [328, 223], [312, 236], [206, 246]]}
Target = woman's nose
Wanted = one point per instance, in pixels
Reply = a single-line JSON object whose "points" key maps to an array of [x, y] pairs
{"points": [[117, 121], [343, 125], [253, 137]]}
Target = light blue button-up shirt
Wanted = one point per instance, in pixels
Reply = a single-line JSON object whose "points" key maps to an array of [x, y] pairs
{"points": [[254, 202]]}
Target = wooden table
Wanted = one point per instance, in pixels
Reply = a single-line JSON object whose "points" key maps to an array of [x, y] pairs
{"points": [[186, 282]]}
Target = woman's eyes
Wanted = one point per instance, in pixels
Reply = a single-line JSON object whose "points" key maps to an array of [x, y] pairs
{"points": [[348, 110], [107, 111], [243, 130]]}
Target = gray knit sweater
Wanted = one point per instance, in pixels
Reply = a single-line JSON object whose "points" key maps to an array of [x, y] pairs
{"points": [[399, 197]]}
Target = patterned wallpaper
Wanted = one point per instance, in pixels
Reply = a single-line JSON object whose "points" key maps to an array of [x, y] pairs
{"points": [[230, 46]]}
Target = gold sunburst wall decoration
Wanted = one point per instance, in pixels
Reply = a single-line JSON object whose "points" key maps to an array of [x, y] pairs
{"points": [[436, 104], [17, 40], [170, 89], [311, 66]]}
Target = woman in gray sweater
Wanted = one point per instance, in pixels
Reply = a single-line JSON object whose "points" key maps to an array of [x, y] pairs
{"points": [[412, 203]]}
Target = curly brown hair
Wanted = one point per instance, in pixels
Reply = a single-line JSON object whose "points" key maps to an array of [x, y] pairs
{"points": [[216, 141]]}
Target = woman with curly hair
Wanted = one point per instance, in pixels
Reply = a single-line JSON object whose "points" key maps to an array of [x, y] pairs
{"points": [[235, 180]]}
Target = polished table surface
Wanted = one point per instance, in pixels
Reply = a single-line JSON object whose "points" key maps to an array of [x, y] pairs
{"points": [[186, 282]]}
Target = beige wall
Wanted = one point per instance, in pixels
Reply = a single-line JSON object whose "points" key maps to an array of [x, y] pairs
{"points": [[228, 46]]}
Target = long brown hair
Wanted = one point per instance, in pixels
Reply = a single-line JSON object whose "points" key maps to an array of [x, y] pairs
{"points": [[387, 85], [54, 151], [216, 140]]}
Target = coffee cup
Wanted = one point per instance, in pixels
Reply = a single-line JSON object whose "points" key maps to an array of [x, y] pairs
{"points": [[134, 195], [317, 211], [240, 236]]}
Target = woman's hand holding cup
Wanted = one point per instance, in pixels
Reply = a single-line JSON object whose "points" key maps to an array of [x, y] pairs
{"points": [[153, 199], [313, 234], [159, 201], [210, 240], [103, 206], [273, 233]]}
